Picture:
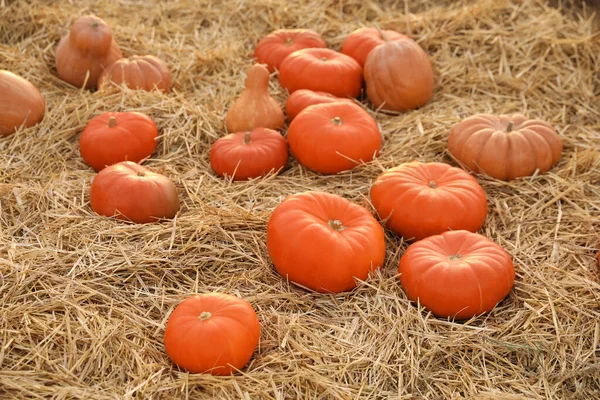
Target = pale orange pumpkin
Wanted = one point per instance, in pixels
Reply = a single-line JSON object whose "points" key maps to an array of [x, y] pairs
{"points": [[138, 72], [21, 103]]}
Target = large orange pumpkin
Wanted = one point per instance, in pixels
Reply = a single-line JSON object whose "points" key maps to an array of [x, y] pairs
{"points": [[212, 333], [321, 70], [129, 191], [117, 136], [249, 154], [399, 76], [359, 43], [303, 98], [458, 274], [21, 103], [417, 200], [137, 72], [505, 146], [323, 242], [334, 137], [85, 52], [276, 46]]}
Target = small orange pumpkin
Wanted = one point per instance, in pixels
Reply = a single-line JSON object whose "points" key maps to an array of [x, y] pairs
{"points": [[117, 136], [303, 98], [359, 43], [85, 52], [321, 70], [212, 333], [250, 154], [137, 72], [276, 46], [21, 103], [505, 146], [129, 191], [334, 137], [399, 75]]}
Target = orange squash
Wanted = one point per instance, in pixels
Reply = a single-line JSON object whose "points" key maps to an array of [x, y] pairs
{"points": [[359, 43], [276, 46], [21, 103], [303, 98]]}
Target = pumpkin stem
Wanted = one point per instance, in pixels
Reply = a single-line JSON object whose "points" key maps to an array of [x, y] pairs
{"points": [[141, 173], [337, 121], [247, 138], [95, 24], [336, 225], [432, 184], [204, 316], [509, 128], [455, 257], [289, 41], [324, 58], [112, 121], [383, 35]]}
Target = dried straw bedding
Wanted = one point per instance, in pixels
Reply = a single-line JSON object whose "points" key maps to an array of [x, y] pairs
{"points": [[84, 299]]}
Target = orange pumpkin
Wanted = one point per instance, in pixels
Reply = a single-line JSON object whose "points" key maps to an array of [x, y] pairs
{"points": [[117, 136], [249, 154], [399, 76], [303, 98], [359, 43], [85, 52], [129, 191], [212, 333], [137, 72], [335, 137], [323, 242], [417, 200], [458, 274], [276, 46], [321, 70], [505, 146], [21, 103]]}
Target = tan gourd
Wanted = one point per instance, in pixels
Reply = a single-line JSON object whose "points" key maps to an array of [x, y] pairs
{"points": [[255, 107]]}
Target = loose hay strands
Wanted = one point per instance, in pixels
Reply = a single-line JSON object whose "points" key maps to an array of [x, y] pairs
{"points": [[84, 299]]}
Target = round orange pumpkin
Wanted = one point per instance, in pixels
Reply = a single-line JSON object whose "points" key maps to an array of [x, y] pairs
{"points": [[458, 274], [505, 146], [321, 70], [335, 137], [399, 75], [85, 52], [417, 200], [129, 191], [137, 72], [249, 154], [117, 136], [212, 333], [276, 46], [323, 242], [359, 43], [21, 103], [303, 98]]}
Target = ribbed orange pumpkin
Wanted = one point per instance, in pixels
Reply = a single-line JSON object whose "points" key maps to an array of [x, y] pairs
{"points": [[303, 98], [399, 76], [21, 103], [86, 51], [359, 43], [137, 72], [276, 46], [321, 70], [505, 146]]}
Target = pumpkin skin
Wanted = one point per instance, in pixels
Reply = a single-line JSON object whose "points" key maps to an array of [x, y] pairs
{"points": [[138, 73], [359, 43], [21, 103], [117, 136], [399, 76], [212, 333], [250, 154], [422, 199], [303, 98], [88, 48], [276, 46], [129, 191], [457, 274], [321, 70], [505, 146], [335, 137], [344, 241], [255, 107]]}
